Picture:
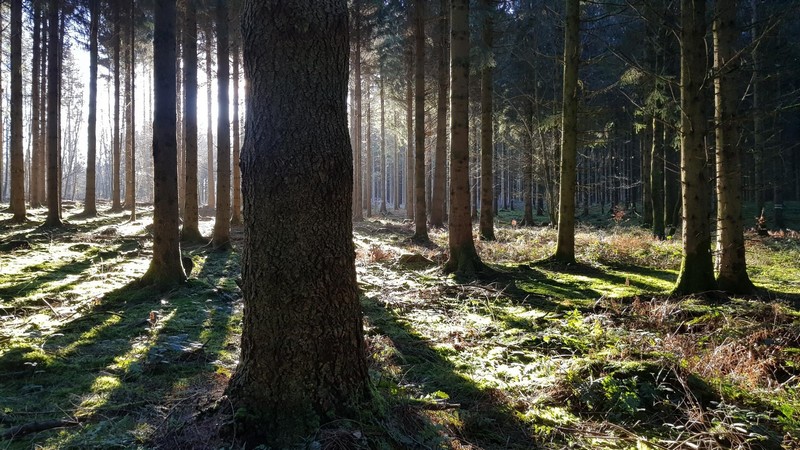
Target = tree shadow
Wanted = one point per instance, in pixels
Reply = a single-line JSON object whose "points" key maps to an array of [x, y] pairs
{"points": [[486, 418]]}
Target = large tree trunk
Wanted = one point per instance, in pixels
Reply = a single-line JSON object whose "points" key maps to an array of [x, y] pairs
{"points": [[487, 138], [16, 155], [758, 144], [463, 256], [180, 106], [440, 159], [211, 194], [90, 206], [731, 265], [130, 112], [236, 208], [116, 204], [53, 102], [166, 267], [420, 211], [565, 247], [303, 357], [697, 269], [222, 221], [190, 231]]}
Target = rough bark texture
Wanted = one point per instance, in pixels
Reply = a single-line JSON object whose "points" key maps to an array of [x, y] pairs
{"points": [[487, 138], [565, 247], [116, 201], [236, 206], [53, 74], [758, 139], [697, 269], [180, 106], [222, 220], [367, 186], [90, 206], [130, 112], [440, 159], [731, 264], [212, 200], [41, 169], [463, 257], [190, 230], [16, 156], [302, 359], [166, 267], [420, 209], [36, 149]]}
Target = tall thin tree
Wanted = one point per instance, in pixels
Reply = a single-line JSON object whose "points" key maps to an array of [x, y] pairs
{"points": [[53, 102], [697, 268], [211, 194], [420, 210], [130, 112], [222, 221], [487, 137], [16, 155], [732, 267], [236, 204], [166, 267], [37, 151], [440, 158], [90, 202], [565, 247], [116, 200], [463, 256], [190, 230]]}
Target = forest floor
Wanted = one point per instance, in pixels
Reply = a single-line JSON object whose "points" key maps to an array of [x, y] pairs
{"points": [[591, 355]]}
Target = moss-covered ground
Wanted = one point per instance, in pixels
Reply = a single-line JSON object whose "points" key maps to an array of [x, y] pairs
{"points": [[591, 355]]}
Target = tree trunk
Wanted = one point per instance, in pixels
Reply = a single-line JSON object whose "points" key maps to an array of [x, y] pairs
{"points": [[303, 356], [130, 111], [358, 212], [222, 220], [367, 187], [211, 194], [43, 112], [236, 208], [166, 267], [2, 131], [90, 202], [36, 148], [697, 269], [565, 247], [16, 155], [758, 145], [657, 179], [383, 143], [645, 145], [527, 177], [463, 257], [487, 138], [116, 204], [731, 265], [440, 168], [190, 231], [180, 106], [53, 102], [409, 197], [420, 212]]}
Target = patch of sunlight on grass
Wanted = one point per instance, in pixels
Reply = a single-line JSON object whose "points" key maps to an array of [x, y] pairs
{"points": [[87, 337], [105, 383]]}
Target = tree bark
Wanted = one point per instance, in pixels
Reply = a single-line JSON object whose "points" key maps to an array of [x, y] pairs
{"points": [[43, 112], [36, 148], [222, 221], [565, 247], [367, 187], [2, 130], [358, 212], [410, 157], [440, 159], [463, 256], [657, 179], [697, 269], [420, 211], [190, 231], [166, 267], [53, 102], [383, 142], [180, 106], [487, 138], [211, 194], [90, 202], [16, 155], [130, 112], [116, 204], [758, 145], [303, 356], [731, 264]]}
